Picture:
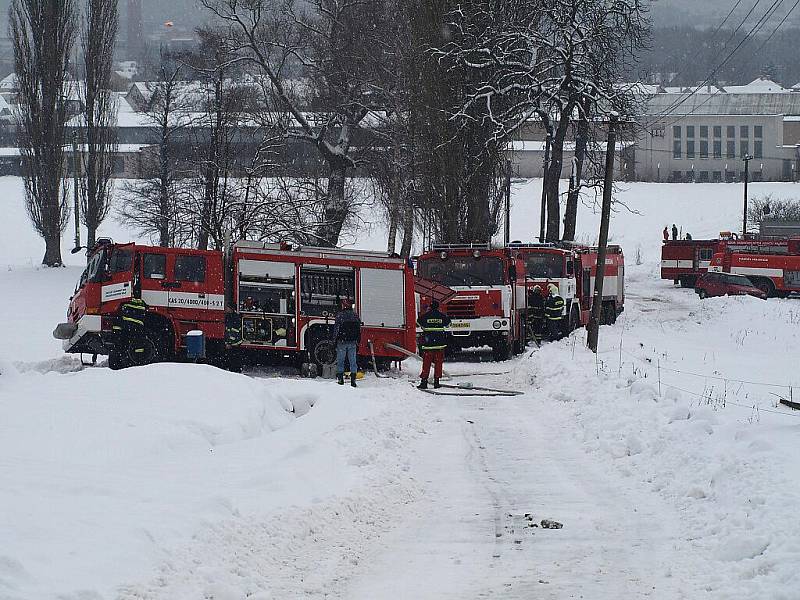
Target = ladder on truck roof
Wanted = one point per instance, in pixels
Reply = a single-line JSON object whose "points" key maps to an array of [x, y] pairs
{"points": [[318, 251], [471, 246]]}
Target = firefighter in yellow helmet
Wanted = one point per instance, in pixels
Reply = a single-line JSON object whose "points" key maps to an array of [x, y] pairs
{"points": [[554, 313]]}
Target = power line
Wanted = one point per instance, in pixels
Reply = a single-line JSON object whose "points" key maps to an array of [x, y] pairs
{"points": [[716, 31], [774, 31], [678, 102], [759, 24]]}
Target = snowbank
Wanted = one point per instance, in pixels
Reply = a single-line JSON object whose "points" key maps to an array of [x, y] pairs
{"points": [[184, 481], [711, 438]]}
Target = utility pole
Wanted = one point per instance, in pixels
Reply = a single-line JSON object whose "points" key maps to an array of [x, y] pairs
{"points": [[602, 245], [77, 208], [746, 158], [508, 202], [546, 167]]}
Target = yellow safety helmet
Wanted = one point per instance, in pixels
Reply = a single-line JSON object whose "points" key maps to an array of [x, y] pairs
{"points": [[553, 288]]}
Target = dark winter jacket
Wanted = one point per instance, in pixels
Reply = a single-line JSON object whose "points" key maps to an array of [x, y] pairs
{"points": [[553, 307], [536, 305], [674, 233], [348, 327], [433, 325]]}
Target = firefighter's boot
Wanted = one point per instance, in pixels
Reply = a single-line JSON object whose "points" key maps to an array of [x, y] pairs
{"points": [[423, 384], [353, 379], [340, 378], [436, 383]]}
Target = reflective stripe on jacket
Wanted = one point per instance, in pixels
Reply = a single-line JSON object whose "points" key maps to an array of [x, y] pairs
{"points": [[433, 324], [133, 312], [554, 308]]}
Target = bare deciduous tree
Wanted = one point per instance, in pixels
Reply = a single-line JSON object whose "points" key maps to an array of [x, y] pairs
{"points": [[330, 45], [555, 60], [461, 158], [99, 127], [42, 33], [154, 204]]}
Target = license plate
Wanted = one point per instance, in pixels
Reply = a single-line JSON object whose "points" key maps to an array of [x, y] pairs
{"points": [[459, 325]]}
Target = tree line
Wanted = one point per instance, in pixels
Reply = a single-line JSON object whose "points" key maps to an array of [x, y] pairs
{"points": [[288, 116]]}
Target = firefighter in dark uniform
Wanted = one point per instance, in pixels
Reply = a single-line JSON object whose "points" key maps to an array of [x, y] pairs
{"points": [[554, 313], [536, 313], [434, 343], [130, 328]]}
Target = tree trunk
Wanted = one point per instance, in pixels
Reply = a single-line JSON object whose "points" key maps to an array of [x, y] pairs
{"points": [[479, 217], [392, 241], [163, 220], [408, 229], [205, 215], [52, 251], [91, 236], [554, 175], [571, 211], [335, 205]]}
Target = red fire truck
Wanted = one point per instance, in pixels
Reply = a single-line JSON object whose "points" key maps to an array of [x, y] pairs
{"points": [[259, 302], [573, 269], [772, 265], [489, 284], [683, 261]]}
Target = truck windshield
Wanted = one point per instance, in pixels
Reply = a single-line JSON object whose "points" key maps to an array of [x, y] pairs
{"points": [[544, 266], [463, 271], [93, 268]]}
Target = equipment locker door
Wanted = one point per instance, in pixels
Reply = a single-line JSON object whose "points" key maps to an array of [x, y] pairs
{"points": [[383, 297]]}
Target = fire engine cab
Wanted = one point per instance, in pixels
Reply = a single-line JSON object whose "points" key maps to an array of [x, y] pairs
{"points": [[255, 303], [573, 269], [488, 283], [773, 266]]}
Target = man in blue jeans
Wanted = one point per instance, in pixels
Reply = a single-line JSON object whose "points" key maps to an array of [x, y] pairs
{"points": [[347, 335]]}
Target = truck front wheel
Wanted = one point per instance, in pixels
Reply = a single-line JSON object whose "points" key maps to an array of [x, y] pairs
{"points": [[765, 285], [135, 351]]}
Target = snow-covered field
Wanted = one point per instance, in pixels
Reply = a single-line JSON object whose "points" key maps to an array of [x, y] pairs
{"points": [[667, 457]]}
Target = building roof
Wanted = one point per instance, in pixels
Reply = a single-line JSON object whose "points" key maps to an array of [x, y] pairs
{"points": [[757, 86], [704, 88], [9, 82], [676, 105]]}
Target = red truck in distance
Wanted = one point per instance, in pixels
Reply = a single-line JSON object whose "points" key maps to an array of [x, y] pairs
{"points": [[773, 266]]}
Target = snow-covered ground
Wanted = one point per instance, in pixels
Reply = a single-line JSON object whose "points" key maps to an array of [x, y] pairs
{"points": [[666, 457]]}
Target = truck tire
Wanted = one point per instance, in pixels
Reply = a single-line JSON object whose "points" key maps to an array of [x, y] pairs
{"points": [[323, 352], [765, 285], [136, 350], [501, 350]]}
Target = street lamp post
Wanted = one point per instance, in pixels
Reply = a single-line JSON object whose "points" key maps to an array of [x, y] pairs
{"points": [[746, 158]]}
